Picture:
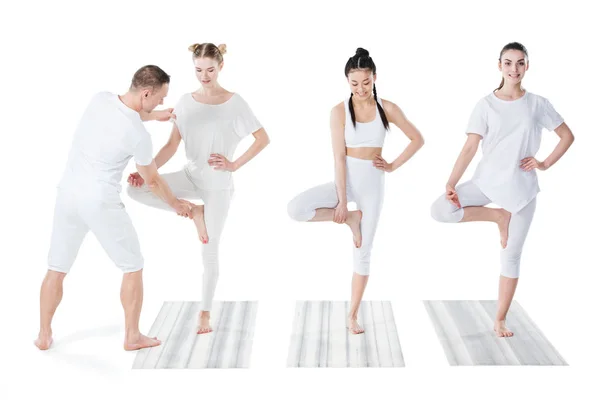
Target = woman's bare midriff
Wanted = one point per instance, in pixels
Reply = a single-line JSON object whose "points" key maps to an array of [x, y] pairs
{"points": [[364, 153]]}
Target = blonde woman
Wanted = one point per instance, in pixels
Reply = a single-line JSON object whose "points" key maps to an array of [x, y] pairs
{"points": [[210, 121]]}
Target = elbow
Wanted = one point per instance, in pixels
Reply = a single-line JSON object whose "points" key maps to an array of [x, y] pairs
{"points": [[266, 140], [419, 142]]}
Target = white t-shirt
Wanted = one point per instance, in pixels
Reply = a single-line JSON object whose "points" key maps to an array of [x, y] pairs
{"points": [[108, 135], [207, 129], [511, 131]]}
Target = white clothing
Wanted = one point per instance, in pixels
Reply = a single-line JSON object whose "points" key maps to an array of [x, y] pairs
{"points": [[511, 131], [207, 129], [76, 213], [216, 207], [365, 187], [108, 135], [365, 134], [469, 195]]}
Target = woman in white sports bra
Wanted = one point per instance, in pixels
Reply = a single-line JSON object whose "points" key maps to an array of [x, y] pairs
{"points": [[211, 122], [358, 129], [508, 122]]}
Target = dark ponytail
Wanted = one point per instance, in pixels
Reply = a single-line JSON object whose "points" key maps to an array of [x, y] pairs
{"points": [[511, 46], [361, 60]]}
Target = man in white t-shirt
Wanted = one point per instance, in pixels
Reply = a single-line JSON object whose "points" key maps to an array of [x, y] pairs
{"points": [[88, 199]]}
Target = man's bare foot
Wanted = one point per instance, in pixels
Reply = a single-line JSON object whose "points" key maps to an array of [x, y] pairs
{"points": [[501, 329], [353, 327], [44, 340], [503, 223], [198, 217], [204, 323], [353, 221], [140, 342]]}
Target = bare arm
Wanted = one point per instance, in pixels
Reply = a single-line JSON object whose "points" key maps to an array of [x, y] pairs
{"points": [[337, 122], [220, 162], [464, 159], [157, 115], [261, 140], [169, 149], [397, 117], [566, 140], [159, 187]]}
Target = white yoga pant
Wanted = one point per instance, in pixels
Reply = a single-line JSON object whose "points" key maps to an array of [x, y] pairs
{"points": [[469, 194], [216, 207], [364, 186], [77, 214]]}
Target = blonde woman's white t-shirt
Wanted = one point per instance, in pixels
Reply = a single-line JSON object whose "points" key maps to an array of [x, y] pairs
{"points": [[511, 131], [207, 129]]}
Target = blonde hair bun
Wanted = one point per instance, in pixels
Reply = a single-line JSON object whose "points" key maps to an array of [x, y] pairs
{"points": [[193, 47], [222, 48]]}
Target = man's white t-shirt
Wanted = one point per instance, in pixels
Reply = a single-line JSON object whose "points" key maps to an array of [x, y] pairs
{"points": [[511, 131], [207, 129], [108, 135]]}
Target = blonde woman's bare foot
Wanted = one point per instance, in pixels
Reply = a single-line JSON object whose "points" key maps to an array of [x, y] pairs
{"points": [[501, 329], [198, 217], [353, 221], [204, 323], [353, 327], [44, 340], [503, 223], [140, 341]]}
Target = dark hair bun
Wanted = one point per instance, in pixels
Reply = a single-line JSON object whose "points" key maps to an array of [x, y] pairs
{"points": [[362, 52]]}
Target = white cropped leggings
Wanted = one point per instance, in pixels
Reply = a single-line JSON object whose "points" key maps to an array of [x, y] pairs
{"points": [[469, 194], [216, 207], [364, 186]]}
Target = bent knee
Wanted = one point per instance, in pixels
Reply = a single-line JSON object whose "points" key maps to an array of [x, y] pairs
{"points": [[442, 211], [296, 212]]}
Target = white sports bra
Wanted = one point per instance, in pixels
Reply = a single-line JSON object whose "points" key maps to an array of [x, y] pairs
{"points": [[366, 134]]}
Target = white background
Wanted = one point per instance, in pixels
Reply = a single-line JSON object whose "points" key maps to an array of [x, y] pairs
{"points": [[434, 60]]}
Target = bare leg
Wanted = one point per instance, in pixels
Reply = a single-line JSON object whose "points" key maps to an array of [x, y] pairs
{"points": [[359, 283], [198, 216], [498, 215], [50, 296], [132, 294], [506, 291], [204, 323], [353, 221]]}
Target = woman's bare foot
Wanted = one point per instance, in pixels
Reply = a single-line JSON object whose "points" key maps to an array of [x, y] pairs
{"points": [[204, 323], [353, 326], [140, 341], [44, 340], [198, 217], [501, 329], [353, 221], [503, 223]]}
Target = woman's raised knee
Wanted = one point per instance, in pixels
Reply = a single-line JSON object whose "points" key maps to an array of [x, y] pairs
{"points": [[442, 211]]}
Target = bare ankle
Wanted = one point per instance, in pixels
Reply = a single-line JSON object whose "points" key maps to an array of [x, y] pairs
{"points": [[46, 331]]}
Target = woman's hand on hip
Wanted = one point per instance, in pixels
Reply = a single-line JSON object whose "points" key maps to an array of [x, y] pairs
{"points": [[221, 163], [530, 163], [341, 213], [381, 164], [452, 196]]}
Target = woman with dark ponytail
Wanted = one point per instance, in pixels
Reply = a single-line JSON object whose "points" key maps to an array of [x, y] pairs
{"points": [[508, 122], [358, 128]]}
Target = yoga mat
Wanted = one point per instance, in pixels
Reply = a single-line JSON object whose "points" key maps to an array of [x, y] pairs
{"points": [[228, 346], [465, 330], [320, 338]]}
